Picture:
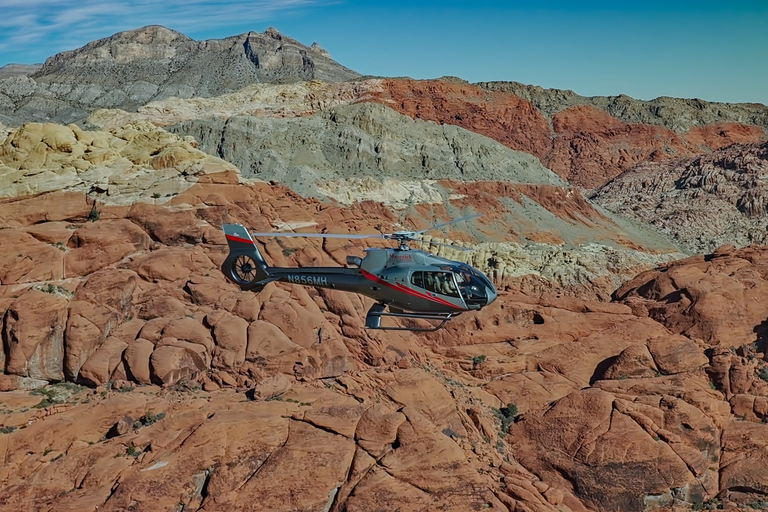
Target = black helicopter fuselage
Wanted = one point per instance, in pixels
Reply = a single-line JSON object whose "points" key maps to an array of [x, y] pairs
{"points": [[402, 279], [411, 280]]}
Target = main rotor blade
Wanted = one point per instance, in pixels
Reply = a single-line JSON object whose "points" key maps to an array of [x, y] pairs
{"points": [[316, 235], [457, 247], [460, 219]]}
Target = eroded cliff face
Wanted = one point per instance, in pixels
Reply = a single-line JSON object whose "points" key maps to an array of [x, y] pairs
{"points": [[704, 202], [585, 143], [678, 114]]}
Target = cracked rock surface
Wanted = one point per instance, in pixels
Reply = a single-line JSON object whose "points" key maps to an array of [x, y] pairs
{"points": [[193, 395]]}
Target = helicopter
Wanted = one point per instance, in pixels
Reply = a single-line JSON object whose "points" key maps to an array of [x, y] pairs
{"points": [[404, 282]]}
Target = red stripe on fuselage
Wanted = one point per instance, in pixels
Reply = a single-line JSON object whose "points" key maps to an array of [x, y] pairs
{"points": [[402, 288], [233, 238]]}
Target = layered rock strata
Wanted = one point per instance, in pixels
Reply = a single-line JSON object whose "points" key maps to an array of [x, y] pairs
{"points": [[586, 141]]}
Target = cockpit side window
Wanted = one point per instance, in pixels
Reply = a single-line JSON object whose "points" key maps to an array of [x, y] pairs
{"points": [[436, 282], [417, 279]]}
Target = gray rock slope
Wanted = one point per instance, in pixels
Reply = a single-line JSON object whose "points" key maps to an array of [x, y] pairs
{"points": [[702, 203], [359, 140], [11, 70], [369, 151], [677, 114], [131, 68]]}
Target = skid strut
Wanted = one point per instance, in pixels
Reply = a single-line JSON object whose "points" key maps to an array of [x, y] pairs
{"points": [[373, 319]]}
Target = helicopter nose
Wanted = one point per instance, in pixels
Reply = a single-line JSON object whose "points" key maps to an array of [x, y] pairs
{"points": [[490, 292]]}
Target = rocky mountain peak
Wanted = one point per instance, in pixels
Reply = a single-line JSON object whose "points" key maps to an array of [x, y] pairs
{"points": [[273, 33], [150, 34], [317, 48], [131, 68], [150, 42]]}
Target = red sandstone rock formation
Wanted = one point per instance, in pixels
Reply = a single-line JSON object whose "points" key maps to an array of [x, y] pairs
{"points": [[654, 400]]}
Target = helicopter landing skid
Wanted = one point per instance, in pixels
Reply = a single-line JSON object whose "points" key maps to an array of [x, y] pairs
{"points": [[373, 319]]}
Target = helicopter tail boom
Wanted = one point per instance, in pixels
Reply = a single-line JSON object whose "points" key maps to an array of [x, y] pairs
{"points": [[244, 264]]}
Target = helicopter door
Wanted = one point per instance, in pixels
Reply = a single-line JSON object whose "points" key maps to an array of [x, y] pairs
{"points": [[436, 282]]}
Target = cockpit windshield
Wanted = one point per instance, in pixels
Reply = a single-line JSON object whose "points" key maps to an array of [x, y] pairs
{"points": [[472, 285]]}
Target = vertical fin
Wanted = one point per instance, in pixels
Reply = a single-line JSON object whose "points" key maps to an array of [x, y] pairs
{"points": [[244, 265]]}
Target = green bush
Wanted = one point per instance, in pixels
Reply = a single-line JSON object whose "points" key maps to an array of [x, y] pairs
{"points": [[506, 415], [150, 418], [478, 360], [94, 215]]}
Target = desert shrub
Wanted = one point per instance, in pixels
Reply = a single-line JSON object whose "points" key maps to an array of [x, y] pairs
{"points": [[150, 418], [506, 415], [478, 360], [94, 214]]}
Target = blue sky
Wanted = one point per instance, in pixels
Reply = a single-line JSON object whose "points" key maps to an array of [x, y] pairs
{"points": [[716, 51]]}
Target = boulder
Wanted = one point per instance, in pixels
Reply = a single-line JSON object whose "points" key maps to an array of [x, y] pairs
{"points": [[273, 386], [98, 244], [231, 336], [169, 364], [100, 366], [34, 332], [423, 393], [677, 354], [586, 430], [172, 263], [208, 290], [25, 259], [191, 330], [744, 460], [266, 340], [161, 305], [202, 356], [153, 329], [635, 361], [170, 228], [295, 314], [720, 299], [136, 356], [377, 429], [100, 304]]}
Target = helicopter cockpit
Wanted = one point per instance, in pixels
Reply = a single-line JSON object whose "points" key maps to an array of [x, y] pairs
{"points": [[473, 285], [456, 281]]}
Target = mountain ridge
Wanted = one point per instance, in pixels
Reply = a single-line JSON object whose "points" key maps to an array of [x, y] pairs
{"points": [[677, 114], [131, 68]]}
